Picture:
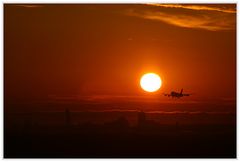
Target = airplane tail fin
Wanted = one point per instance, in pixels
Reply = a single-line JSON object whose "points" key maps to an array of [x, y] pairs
{"points": [[181, 91]]}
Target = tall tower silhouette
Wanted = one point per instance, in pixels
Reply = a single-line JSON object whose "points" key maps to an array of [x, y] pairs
{"points": [[67, 117]]}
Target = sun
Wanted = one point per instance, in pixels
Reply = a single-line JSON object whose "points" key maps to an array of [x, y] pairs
{"points": [[150, 82]]}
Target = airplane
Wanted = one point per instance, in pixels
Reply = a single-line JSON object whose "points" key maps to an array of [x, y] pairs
{"points": [[176, 94]]}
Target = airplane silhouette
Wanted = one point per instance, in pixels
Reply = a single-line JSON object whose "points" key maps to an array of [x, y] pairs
{"points": [[176, 94]]}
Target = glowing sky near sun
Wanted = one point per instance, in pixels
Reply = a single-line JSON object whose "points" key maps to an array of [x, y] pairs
{"points": [[105, 49]]}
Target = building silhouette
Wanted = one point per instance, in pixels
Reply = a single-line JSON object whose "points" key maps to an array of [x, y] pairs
{"points": [[141, 118]]}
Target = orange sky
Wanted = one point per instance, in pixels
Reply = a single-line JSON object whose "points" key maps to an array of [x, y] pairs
{"points": [[104, 49]]}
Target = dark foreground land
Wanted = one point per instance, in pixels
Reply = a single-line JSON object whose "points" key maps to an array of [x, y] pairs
{"points": [[115, 139]]}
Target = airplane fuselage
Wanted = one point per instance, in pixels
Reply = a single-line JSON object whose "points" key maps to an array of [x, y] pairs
{"points": [[175, 94]]}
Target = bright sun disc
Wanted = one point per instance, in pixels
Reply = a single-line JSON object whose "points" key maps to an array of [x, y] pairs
{"points": [[150, 82]]}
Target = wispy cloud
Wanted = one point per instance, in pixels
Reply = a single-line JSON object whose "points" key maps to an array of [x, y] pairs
{"points": [[29, 5], [189, 16], [220, 8]]}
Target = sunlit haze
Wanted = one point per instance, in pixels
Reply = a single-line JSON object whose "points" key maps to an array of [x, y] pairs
{"points": [[119, 80]]}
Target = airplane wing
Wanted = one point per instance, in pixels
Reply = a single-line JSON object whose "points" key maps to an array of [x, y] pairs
{"points": [[165, 94], [187, 94]]}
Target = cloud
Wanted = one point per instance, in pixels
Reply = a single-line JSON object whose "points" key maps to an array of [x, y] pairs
{"points": [[220, 8], [29, 6], [189, 16]]}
